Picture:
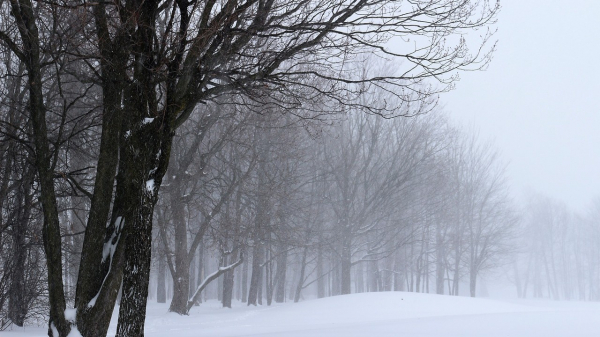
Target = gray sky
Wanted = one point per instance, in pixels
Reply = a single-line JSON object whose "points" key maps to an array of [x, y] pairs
{"points": [[540, 98]]}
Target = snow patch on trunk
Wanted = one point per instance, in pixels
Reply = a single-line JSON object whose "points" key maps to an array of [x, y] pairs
{"points": [[109, 251]]}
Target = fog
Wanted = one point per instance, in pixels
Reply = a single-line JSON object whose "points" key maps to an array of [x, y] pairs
{"points": [[299, 168], [538, 99]]}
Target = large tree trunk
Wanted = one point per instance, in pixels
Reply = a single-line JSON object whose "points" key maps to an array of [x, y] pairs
{"points": [[132, 311], [146, 158]]}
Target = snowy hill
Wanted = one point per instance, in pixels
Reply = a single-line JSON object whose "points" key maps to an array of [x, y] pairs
{"points": [[375, 314]]}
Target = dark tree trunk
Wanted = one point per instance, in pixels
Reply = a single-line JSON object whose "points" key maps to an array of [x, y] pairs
{"points": [[23, 13], [17, 300], [181, 277], [143, 163], [132, 311]]}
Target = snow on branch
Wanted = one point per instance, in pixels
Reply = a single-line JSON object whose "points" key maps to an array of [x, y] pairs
{"points": [[211, 278]]}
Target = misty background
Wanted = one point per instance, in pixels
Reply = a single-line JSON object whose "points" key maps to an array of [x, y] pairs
{"points": [[538, 99], [257, 173]]}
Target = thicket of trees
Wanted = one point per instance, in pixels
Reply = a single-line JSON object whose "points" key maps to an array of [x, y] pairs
{"points": [[239, 148], [369, 205]]}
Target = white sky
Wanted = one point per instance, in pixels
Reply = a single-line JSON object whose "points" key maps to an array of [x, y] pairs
{"points": [[540, 98]]}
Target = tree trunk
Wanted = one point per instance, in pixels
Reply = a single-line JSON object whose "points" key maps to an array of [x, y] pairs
{"points": [[245, 282], [261, 287], [321, 278], [201, 273], [17, 307], [17, 299], [473, 282], [300, 285], [280, 275], [228, 284], [132, 313], [256, 274], [181, 277], [192, 273], [345, 271], [143, 163], [161, 289], [23, 12]]}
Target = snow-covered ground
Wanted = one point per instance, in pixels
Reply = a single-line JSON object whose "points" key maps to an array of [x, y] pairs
{"points": [[374, 314]]}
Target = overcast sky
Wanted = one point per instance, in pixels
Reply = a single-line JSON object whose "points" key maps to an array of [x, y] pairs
{"points": [[540, 98]]}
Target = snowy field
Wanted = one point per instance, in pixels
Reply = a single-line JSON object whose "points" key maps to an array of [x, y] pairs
{"points": [[374, 314]]}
